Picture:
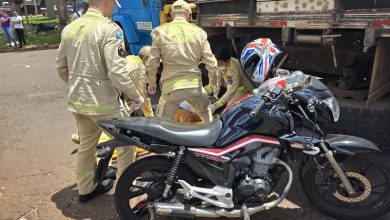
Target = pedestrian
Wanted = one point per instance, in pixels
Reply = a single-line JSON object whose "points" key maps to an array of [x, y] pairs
{"points": [[232, 77], [181, 46], [6, 27], [136, 68], [79, 13], [17, 21], [91, 60]]}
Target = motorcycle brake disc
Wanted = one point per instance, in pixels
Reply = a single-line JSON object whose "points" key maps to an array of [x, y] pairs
{"points": [[363, 180]]}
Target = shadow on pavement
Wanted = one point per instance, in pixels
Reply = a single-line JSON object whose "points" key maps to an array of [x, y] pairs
{"points": [[101, 207]]}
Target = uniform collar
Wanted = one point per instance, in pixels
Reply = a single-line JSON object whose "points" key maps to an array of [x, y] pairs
{"points": [[94, 11], [178, 18]]}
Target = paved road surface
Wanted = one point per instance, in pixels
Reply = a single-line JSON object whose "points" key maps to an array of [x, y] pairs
{"points": [[36, 168]]}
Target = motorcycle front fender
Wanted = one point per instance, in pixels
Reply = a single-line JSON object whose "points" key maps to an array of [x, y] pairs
{"points": [[345, 146], [351, 145]]}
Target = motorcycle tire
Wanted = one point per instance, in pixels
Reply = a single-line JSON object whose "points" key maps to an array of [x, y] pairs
{"points": [[341, 205], [147, 164]]}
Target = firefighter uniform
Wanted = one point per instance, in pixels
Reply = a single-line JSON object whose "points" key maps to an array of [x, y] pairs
{"points": [[236, 83], [181, 46], [91, 60], [136, 69]]}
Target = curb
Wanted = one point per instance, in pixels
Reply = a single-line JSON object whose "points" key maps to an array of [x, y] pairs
{"points": [[31, 48]]}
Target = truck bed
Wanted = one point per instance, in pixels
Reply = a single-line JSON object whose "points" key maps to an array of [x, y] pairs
{"points": [[302, 14]]}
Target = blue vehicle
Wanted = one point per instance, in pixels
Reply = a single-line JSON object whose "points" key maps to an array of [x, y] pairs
{"points": [[138, 18]]}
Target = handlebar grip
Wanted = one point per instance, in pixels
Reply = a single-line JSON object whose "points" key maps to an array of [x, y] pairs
{"points": [[257, 109]]}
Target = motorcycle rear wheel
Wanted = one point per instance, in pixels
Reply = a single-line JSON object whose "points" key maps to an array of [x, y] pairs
{"points": [[145, 180], [369, 175]]}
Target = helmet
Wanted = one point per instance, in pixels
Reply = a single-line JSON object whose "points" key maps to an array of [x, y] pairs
{"points": [[145, 51], [181, 6], [257, 58]]}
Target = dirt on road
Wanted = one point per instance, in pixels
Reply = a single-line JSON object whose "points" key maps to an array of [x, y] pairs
{"points": [[37, 178]]}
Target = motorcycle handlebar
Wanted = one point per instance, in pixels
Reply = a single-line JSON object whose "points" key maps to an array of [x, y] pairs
{"points": [[258, 107], [269, 96]]}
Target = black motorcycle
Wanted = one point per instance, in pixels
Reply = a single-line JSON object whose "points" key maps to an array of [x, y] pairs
{"points": [[230, 167]]}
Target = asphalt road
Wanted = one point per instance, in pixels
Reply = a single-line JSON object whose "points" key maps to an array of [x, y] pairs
{"points": [[37, 178]]}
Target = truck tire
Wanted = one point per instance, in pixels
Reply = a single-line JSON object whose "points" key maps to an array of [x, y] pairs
{"points": [[371, 123]]}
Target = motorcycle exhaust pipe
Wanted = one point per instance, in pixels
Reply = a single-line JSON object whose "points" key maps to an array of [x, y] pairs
{"points": [[179, 210]]}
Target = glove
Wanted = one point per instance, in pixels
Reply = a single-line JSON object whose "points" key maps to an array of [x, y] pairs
{"points": [[138, 102], [151, 89], [212, 108]]}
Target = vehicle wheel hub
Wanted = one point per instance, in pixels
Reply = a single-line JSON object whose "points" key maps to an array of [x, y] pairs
{"points": [[356, 179]]}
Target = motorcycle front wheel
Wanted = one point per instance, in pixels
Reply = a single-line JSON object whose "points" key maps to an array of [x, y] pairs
{"points": [[369, 175], [142, 183]]}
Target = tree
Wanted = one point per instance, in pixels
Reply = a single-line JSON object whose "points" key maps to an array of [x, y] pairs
{"points": [[62, 13], [49, 8], [15, 4]]}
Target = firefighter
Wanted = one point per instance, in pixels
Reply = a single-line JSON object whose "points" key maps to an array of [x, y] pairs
{"points": [[136, 68], [231, 76], [91, 60], [181, 46]]}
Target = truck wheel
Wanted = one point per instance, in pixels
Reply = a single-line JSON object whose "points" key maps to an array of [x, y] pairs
{"points": [[358, 119]]}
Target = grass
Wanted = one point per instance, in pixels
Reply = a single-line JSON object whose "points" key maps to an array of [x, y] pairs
{"points": [[33, 39], [41, 20]]}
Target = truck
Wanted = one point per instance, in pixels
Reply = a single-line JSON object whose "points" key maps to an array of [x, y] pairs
{"points": [[346, 43], [6, 7]]}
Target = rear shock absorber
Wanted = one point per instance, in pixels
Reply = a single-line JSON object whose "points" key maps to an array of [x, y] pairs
{"points": [[172, 174]]}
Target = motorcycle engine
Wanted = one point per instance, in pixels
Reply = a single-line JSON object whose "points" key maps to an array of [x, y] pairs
{"points": [[257, 183]]}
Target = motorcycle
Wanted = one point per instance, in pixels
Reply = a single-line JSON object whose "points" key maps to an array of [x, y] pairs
{"points": [[230, 167]]}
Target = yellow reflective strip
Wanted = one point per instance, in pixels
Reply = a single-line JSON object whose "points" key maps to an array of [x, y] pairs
{"points": [[180, 83], [90, 110], [162, 101], [133, 59], [95, 16], [173, 81], [86, 104], [80, 31], [179, 33]]}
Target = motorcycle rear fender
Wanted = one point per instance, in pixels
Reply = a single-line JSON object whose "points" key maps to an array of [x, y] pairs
{"points": [[351, 145]]}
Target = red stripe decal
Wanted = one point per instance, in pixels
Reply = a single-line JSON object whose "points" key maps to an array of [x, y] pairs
{"points": [[278, 23], [217, 24], [237, 145], [381, 23], [237, 101]]}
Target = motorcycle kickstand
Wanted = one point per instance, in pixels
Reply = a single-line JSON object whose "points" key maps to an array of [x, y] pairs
{"points": [[245, 213]]}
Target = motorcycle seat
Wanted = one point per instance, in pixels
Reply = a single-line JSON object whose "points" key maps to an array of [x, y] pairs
{"points": [[191, 135]]}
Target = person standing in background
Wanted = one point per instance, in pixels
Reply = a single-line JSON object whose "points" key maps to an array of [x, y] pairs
{"points": [[17, 22], [6, 27]]}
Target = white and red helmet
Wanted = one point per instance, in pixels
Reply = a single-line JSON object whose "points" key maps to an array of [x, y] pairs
{"points": [[257, 58]]}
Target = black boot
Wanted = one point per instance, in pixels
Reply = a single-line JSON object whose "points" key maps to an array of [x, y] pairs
{"points": [[110, 173], [102, 187]]}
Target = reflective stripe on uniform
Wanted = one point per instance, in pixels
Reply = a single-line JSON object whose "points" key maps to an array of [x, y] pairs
{"points": [[134, 59], [85, 173], [103, 138], [98, 108], [179, 32], [78, 33], [180, 83], [161, 101]]}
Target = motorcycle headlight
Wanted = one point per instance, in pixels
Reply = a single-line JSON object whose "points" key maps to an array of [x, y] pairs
{"points": [[334, 106]]}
